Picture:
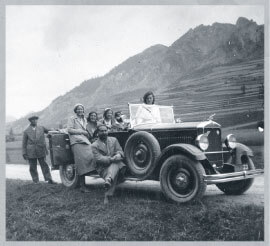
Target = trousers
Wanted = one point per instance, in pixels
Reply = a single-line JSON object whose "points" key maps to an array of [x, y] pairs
{"points": [[112, 172], [44, 168]]}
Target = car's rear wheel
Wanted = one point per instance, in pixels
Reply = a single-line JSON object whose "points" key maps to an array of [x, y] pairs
{"points": [[69, 176], [141, 152], [240, 186], [181, 179]]}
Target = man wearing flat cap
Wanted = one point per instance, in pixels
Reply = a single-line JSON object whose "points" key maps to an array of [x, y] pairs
{"points": [[34, 149]]}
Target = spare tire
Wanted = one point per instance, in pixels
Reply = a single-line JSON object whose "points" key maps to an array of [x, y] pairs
{"points": [[141, 152]]}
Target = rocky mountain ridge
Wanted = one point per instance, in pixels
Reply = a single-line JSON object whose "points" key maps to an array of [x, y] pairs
{"points": [[160, 67]]}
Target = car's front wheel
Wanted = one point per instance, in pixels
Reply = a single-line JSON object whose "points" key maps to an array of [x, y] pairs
{"points": [[238, 187], [69, 176], [181, 179]]}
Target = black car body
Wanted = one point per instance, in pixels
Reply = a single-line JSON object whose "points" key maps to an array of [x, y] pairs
{"points": [[185, 157]]}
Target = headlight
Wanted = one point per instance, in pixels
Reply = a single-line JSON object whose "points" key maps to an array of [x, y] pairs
{"points": [[202, 142], [230, 141]]}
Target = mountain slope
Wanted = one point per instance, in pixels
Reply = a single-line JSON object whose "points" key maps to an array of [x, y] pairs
{"points": [[165, 69]]}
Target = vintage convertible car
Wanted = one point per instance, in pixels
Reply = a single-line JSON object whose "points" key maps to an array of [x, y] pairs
{"points": [[184, 156]]}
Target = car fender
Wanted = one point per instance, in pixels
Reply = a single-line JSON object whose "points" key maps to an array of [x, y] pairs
{"points": [[239, 151], [186, 149]]}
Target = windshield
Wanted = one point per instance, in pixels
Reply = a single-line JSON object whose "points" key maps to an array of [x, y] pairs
{"points": [[144, 114]]}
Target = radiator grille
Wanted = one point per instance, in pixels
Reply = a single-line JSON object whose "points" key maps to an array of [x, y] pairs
{"points": [[167, 138], [214, 138]]}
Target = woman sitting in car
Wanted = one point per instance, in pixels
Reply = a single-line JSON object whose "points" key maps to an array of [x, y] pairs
{"points": [[147, 113], [120, 125], [149, 98], [108, 119], [92, 125]]}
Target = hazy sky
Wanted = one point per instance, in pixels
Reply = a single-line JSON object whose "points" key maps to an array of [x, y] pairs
{"points": [[52, 49]]}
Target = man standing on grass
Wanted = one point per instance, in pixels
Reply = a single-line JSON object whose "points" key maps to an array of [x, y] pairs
{"points": [[34, 148], [109, 157]]}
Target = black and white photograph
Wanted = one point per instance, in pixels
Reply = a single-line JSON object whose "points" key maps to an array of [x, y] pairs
{"points": [[128, 122]]}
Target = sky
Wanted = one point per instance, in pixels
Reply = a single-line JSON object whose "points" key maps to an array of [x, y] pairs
{"points": [[52, 49]]}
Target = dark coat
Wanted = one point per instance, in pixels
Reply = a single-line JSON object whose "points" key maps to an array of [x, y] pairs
{"points": [[33, 144], [91, 128]]}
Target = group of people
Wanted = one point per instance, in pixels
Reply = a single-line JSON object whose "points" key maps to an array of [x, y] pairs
{"points": [[92, 148], [115, 123]]}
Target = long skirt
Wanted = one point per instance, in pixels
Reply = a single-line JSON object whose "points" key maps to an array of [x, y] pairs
{"points": [[83, 157]]}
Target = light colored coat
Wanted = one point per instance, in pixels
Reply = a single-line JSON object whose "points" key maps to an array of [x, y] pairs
{"points": [[80, 145], [103, 151], [33, 144], [104, 122], [74, 128]]}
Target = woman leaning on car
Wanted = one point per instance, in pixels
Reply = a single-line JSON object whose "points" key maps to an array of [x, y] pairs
{"points": [[80, 145]]}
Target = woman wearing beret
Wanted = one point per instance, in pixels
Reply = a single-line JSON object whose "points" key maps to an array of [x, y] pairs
{"points": [[80, 145], [92, 124]]}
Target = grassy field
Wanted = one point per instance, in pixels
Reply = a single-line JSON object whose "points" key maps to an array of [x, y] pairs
{"points": [[14, 152], [52, 213]]}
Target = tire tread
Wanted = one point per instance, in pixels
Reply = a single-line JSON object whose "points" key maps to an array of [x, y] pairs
{"points": [[200, 172], [155, 149]]}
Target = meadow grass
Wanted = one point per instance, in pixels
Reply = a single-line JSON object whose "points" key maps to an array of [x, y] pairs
{"points": [[53, 212]]}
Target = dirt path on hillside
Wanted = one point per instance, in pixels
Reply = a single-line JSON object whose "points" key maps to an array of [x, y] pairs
{"points": [[255, 195]]}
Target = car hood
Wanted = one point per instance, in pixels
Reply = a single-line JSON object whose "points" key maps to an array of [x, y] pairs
{"points": [[182, 125]]}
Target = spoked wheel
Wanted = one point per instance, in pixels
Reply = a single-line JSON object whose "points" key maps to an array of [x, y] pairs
{"points": [[181, 179], [240, 186], [69, 176]]}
